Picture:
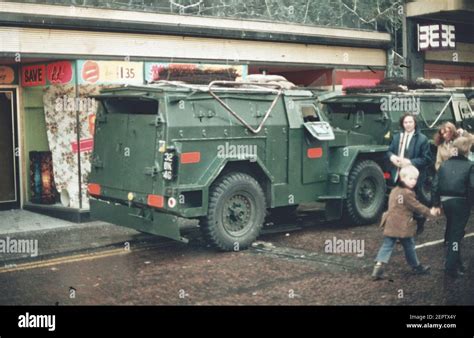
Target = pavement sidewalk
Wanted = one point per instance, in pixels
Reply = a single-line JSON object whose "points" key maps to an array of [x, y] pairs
{"points": [[49, 237], [54, 236]]}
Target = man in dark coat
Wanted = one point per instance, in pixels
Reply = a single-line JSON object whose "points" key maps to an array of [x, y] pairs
{"points": [[417, 152], [452, 189], [410, 147]]}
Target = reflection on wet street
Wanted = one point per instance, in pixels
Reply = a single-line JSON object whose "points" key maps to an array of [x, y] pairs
{"points": [[292, 267]]}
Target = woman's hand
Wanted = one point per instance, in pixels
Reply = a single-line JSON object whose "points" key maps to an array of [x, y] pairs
{"points": [[460, 131], [395, 160], [404, 162]]}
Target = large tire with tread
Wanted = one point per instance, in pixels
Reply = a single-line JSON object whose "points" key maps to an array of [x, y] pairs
{"points": [[365, 194], [235, 213]]}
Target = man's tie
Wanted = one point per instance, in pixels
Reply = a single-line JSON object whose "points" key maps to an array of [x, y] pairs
{"points": [[403, 145], [401, 152]]}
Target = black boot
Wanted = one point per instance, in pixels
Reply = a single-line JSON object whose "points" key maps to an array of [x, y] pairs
{"points": [[453, 273], [422, 269]]}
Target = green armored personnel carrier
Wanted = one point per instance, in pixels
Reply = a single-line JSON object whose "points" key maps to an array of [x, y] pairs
{"points": [[375, 113], [226, 154]]}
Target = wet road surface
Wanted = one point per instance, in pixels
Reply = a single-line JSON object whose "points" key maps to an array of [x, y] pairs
{"points": [[289, 267]]}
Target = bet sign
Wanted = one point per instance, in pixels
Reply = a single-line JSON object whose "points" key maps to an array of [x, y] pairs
{"points": [[436, 36]]}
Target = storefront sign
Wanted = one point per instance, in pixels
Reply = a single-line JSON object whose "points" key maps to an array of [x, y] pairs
{"points": [[7, 75], [193, 73], [438, 36], [34, 75], [85, 145], [359, 83], [59, 72], [110, 72]]}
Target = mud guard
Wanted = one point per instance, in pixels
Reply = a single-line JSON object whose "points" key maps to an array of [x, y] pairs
{"points": [[144, 220], [333, 210]]}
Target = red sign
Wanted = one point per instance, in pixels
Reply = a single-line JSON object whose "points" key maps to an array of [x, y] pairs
{"points": [[7, 75], [87, 144], [90, 71], [59, 72], [33, 75], [359, 83]]}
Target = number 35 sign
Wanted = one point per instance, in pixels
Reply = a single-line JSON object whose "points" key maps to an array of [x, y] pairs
{"points": [[436, 36]]}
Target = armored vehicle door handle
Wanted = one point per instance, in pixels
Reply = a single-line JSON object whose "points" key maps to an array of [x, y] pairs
{"points": [[158, 120], [152, 171], [101, 118], [97, 163]]}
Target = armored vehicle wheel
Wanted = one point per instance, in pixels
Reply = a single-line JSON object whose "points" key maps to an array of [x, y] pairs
{"points": [[365, 193], [236, 212]]}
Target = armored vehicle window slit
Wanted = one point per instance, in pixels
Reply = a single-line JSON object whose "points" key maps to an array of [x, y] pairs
{"points": [[465, 110], [126, 105], [310, 114]]}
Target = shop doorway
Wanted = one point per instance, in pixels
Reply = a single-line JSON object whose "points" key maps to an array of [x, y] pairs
{"points": [[9, 164]]}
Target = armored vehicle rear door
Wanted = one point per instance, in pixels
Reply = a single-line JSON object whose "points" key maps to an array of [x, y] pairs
{"points": [[315, 144], [125, 138]]}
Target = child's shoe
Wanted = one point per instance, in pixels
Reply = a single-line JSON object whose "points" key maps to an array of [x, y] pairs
{"points": [[377, 272]]}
